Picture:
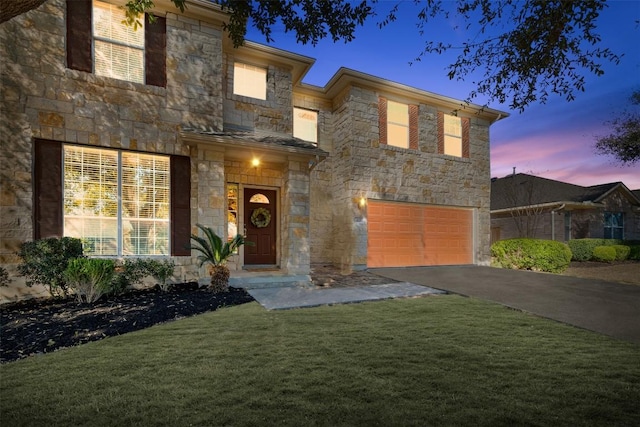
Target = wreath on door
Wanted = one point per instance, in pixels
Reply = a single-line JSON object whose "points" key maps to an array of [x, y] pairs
{"points": [[260, 217]]}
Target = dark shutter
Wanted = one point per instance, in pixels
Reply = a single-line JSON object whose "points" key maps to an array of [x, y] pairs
{"points": [[180, 205], [465, 136], [47, 189], [440, 125], [382, 119], [155, 47], [79, 35], [413, 127]]}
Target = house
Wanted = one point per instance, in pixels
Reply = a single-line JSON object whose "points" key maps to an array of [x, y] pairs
{"points": [[128, 139], [529, 206]]}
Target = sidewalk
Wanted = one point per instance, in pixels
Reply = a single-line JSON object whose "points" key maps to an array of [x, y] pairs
{"points": [[296, 297]]}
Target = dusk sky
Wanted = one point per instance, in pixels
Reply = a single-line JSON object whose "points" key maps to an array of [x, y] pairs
{"points": [[554, 140]]}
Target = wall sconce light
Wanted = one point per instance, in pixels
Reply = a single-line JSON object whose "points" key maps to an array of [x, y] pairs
{"points": [[255, 162], [362, 202]]}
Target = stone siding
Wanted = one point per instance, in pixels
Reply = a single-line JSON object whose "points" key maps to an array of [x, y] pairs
{"points": [[41, 98]]}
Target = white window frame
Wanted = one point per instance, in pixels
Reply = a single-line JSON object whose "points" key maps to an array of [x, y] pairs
{"points": [[305, 124], [120, 220], [249, 81], [452, 135], [140, 48], [395, 126]]}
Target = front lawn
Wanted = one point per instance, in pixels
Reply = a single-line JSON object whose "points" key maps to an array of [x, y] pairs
{"points": [[444, 360]]}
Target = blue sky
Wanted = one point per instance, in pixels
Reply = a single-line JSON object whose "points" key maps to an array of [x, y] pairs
{"points": [[554, 140]]}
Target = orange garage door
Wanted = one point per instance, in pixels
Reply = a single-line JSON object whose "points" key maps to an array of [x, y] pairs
{"points": [[402, 234]]}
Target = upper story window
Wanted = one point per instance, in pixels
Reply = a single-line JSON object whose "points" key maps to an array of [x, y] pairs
{"points": [[453, 135], [305, 124], [249, 81], [613, 225], [398, 124], [98, 42], [118, 48]]}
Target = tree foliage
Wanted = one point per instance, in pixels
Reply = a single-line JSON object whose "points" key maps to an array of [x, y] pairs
{"points": [[624, 141], [525, 50]]}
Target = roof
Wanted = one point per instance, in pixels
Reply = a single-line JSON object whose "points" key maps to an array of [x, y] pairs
{"points": [[526, 190]]}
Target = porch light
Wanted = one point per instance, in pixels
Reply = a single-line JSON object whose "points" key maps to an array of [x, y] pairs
{"points": [[255, 162], [362, 202]]}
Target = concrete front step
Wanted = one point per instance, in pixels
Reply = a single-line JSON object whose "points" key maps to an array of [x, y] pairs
{"points": [[263, 279]]}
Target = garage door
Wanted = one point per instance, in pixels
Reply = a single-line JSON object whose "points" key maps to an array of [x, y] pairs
{"points": [[403, 234]]}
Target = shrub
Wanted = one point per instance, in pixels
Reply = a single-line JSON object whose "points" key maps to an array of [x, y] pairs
{"points": [[622, 252], [582, 249], [44, 262], [4, 277], [90, 278], [130, 272], [634, 252], [531, 254], [161, 271], [604, 253]]}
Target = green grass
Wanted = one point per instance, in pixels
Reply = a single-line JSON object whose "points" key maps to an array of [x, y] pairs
{"points": [[443, 360]]}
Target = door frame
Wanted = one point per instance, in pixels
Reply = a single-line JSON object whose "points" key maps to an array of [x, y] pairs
{"points": [[241, 211]]}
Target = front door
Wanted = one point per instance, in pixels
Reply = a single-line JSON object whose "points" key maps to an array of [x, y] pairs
{"points": [[260, 226]]}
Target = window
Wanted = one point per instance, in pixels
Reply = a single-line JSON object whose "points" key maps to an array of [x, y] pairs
{"points": [[117, 202], [249, 81], [98, 42], [118, 48], [613, 225], [567, 226], [453, 135], [305, 124], [398, 124], [232, 211]]}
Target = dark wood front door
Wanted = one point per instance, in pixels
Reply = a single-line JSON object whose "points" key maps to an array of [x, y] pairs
{"points": [[260, 218]]}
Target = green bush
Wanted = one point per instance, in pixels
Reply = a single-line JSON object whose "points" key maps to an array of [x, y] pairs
{"points": [[44, 262], [582, 249], [634, 252], [130, 272], [161, 271], [90, 278], [604, 253], [531, 254], [622, 252]]}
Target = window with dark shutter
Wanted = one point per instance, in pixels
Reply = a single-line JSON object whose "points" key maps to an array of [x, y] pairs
{"points": [[398, 124], [453, 135], [119, 54]]}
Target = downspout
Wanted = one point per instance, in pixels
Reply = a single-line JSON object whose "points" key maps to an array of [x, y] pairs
{"points": [[553, 222]]}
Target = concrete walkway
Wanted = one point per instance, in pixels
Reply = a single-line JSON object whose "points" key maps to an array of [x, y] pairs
{"points": [[609, 308], [295, 297]]}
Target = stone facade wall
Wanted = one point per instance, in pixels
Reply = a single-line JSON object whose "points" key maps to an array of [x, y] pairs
{"points": [[41, 98], [362, 167], [275, 114]]}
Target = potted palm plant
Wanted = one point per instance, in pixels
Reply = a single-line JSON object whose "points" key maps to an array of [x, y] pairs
{"points": [[216, 253]]}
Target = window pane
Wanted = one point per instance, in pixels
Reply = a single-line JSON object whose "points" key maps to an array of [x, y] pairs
{"points": [[397, 135], [145, 204], [305, 124], [249, 81], [452, 125], [397, 113], [453, 146], [259, 198], [119, 62], [91, 198], [107, 24]]}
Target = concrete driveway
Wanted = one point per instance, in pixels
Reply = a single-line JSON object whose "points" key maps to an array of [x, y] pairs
{"points": [[609, 308]]}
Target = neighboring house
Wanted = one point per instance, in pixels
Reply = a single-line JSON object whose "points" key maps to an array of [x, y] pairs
{"points": [[529, 206], [128, 139]]}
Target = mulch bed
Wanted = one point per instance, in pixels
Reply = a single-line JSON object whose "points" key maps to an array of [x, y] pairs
{"points": [[44, 325]]}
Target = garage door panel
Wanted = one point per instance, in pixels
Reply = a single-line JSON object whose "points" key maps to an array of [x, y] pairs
{"points": [[406, 235]]}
